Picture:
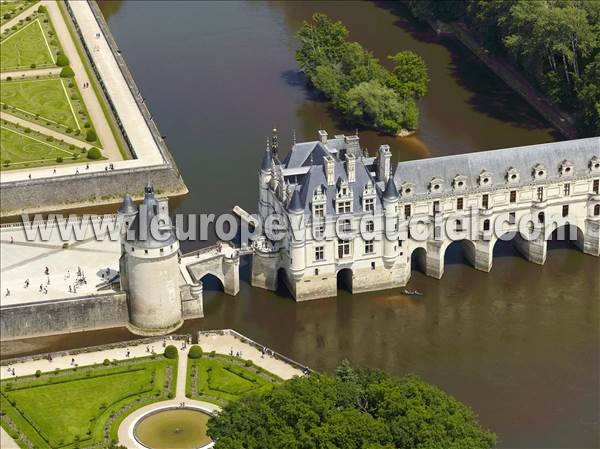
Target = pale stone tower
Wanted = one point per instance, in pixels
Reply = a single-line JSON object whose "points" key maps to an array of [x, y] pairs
{"points": [[149, 268], [297, 246], [390, 206]]}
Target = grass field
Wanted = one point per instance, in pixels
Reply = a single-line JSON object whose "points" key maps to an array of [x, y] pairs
{"points": [[73, 408], [46, 98], [22, 148], [12, 8], [221, 380], [25, 47]]}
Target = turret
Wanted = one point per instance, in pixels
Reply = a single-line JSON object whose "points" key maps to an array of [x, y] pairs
{"points": [[390, 207], [150, 270], [297, 236], [264, 178], [126, 214]]}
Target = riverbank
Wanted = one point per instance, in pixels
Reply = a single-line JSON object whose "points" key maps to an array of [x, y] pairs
{"points": [[560, 119]]}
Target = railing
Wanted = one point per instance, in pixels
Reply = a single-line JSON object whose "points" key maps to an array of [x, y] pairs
{"points": [[96, 348], [255, 345]]}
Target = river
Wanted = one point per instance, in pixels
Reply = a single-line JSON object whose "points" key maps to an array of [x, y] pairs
{"points": [[520, 345]]}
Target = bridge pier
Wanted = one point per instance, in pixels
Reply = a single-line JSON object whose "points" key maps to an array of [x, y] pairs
{"points": [[264, 269], [434, 260], [591, 237], [231, 275], [479, 254], [533, 250]]}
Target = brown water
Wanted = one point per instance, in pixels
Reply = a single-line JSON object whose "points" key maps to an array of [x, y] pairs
{"points": [[173, 429], [520, 345]]}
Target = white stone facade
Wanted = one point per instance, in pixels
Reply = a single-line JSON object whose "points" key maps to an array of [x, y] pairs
{"points": [[331, 182]]}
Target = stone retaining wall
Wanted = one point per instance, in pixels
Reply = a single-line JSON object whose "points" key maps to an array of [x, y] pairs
{"points": [[63, 316]]}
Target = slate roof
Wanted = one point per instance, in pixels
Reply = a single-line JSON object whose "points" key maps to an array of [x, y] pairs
{"points": [[128, 206], [143, 237], [306, 173], [497, 163]]}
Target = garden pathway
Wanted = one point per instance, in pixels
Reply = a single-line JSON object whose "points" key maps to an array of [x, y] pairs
{"points": [[46, 131], [6, 441], [24, 74], [101, 125], [15, 20]]}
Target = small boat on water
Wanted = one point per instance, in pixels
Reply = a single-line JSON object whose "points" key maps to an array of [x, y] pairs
{"points": [[405, 291]]}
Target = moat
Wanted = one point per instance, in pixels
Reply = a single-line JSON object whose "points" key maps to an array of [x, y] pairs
{"points": [[520, 345]]}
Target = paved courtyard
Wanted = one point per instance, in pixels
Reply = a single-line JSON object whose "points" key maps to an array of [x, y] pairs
{"points": [[22, 260]]}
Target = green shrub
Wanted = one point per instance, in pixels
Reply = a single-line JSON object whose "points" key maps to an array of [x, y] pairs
{"points": [[27, 130], [69, 130], [195, 352], [213, 353], [32, 66], [38, 373], [91, 136], [106, 362], [42, 9], [67, 72], [248, 363], [94, 153], [9, 78], [59, 159], [62, 60], [171, 352]]}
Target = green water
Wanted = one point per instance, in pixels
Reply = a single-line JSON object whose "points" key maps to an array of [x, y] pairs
{"points": [[173, 429]]}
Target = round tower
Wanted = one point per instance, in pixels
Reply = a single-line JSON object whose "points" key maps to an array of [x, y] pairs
{"points": [[390, 205], [126, 215], [297, 223], [264, 178], [150, 270]]}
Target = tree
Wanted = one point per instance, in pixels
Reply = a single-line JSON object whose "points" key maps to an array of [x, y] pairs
{"points": [[410, 75], [90, 135], [171, 352], [94, 153], [67, 72], [195, 352], [62, 60], [321, 41], [359, 408]]}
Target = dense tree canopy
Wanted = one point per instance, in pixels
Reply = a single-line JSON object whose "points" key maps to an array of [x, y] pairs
{"points": [[556, 43], [359, 87], [357, 409]]}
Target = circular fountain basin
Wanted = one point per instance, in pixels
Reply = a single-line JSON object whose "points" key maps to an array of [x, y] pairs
{"points": [[173, 428]]}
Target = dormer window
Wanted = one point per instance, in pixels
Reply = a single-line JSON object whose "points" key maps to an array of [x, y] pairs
{"points": [[566, 168], [407, 189], [595, 164], [512, 175], [485, 178], [459, 182], [435, 186], [539, 172]]}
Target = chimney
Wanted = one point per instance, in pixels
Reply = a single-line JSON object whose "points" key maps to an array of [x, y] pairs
{"points": [[329, 167], [322, 136], [384, 163], [351, 167], [352, 145]]}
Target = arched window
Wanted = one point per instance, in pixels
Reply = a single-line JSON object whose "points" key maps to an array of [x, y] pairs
{"points": [[486, 225], [541, 217], [597, 210]]}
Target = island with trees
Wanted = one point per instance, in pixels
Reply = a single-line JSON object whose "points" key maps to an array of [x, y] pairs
{"points": [[555, 43], [357, 408], [359, 88]]}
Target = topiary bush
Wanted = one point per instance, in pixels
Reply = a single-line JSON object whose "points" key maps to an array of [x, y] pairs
{"points": [[94, 153], [67, 72], [248, 363], [91, 136], [38, 373], [171, 352], [106, 362], [195, 352], [62, 60], [59, 159]]}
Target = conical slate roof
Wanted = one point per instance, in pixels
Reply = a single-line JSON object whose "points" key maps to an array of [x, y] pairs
{"points": [[267, 160], [295, 203], [128, 206], [142, 225], [391, 192]]}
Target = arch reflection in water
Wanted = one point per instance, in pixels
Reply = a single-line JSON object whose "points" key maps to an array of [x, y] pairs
{"points": [[173, 428]]}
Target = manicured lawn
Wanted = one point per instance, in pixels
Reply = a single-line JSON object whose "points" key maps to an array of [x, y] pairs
{"points": [[26, 46], [46, 98], [222, 379], [67, 409], [20, 148], [12, 8]]}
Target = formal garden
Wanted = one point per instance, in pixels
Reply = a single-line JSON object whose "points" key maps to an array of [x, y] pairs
{"points": [[22, 147], [9, 9], [31, 44], [83, 406], [220, 378]]}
